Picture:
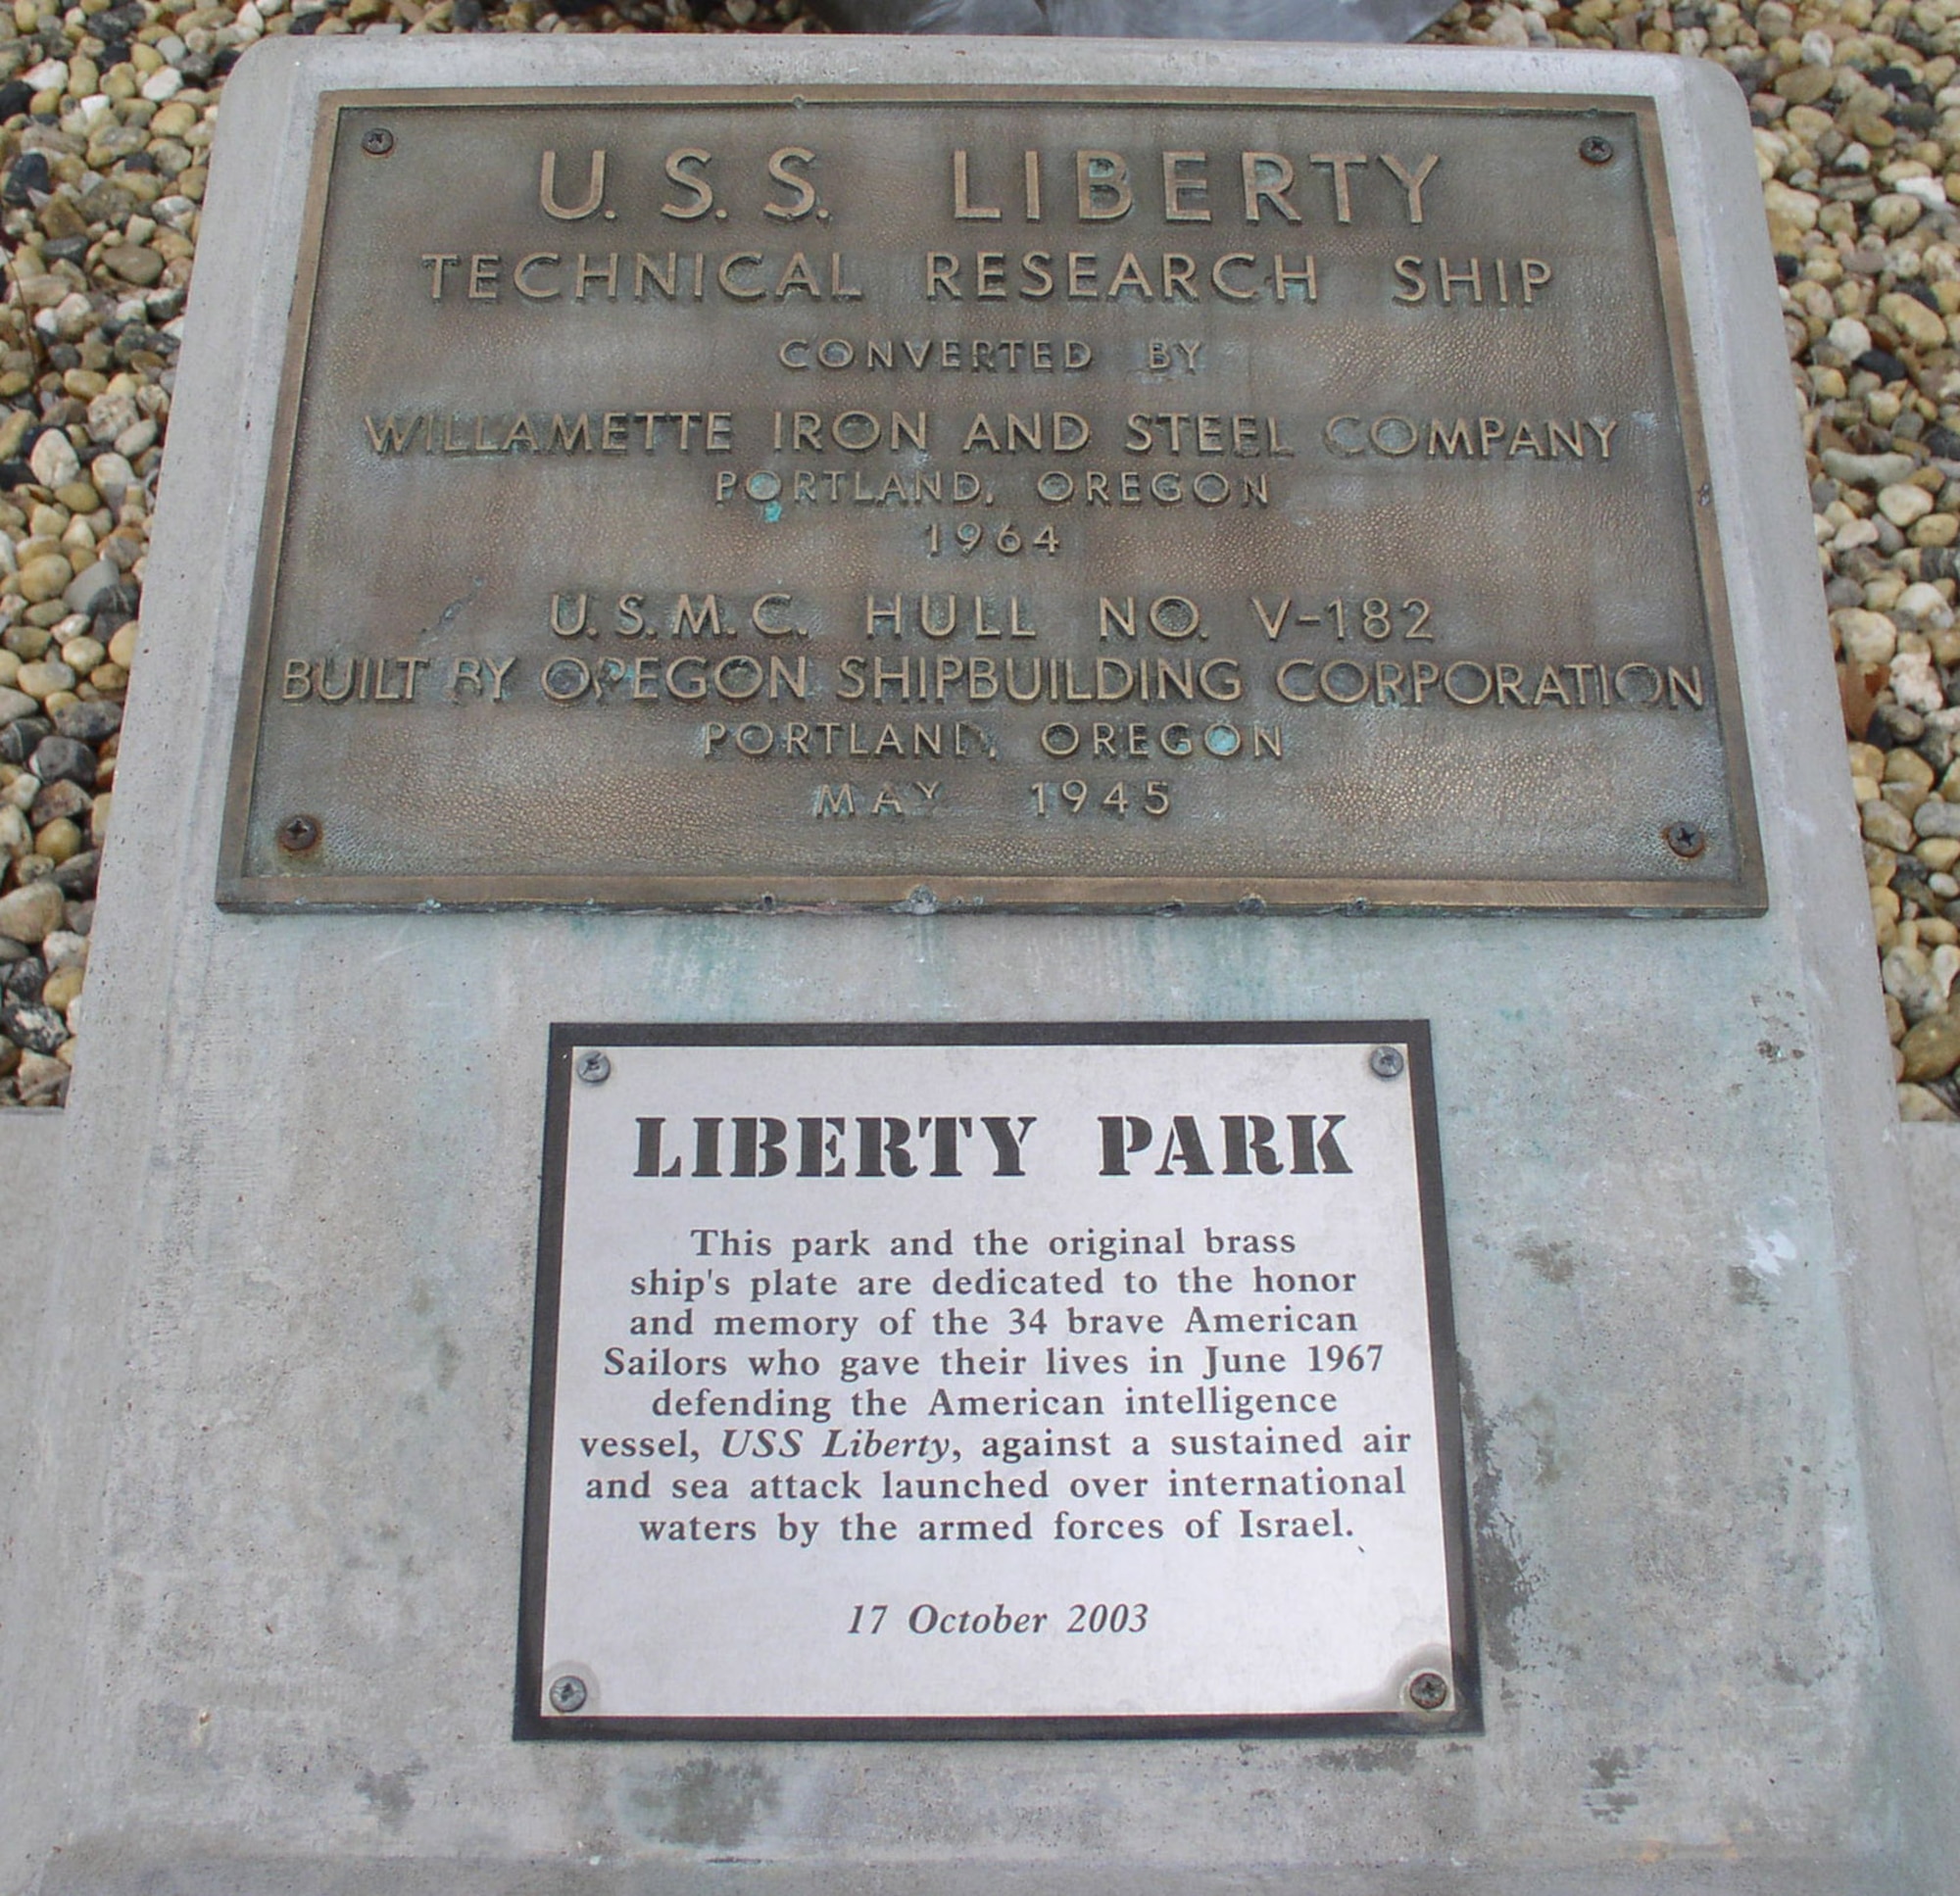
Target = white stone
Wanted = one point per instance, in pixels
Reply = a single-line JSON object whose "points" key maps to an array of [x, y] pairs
{"points": [[1799, 208], [1867, 637], [1850, 335], [112, 411], [112, 477], [54, 459], [166, 82], [1904, 503], [1916, 683], [63, 950], [1867, 471], [1923, 604]]}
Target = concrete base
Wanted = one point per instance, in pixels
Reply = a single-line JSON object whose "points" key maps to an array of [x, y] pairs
{"points": [[261, 1528]]}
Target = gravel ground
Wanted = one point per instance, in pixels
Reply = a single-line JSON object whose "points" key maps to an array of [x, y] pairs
{"points": [[106, 119]]}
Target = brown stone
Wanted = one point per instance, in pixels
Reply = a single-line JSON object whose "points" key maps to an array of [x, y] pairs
{"points": [[134, 262], [1931, 1049]]}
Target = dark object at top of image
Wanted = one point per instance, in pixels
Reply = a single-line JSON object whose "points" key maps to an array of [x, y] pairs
{"points": [[1373, 20]]}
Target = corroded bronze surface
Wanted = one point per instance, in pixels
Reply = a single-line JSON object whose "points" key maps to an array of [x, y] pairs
{"points": [[1073, 499]]}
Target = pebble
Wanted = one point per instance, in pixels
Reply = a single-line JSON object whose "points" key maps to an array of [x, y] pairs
{"points": [[1922, 328], [43, 678], [54, 460], [63, 948], [1887, 825], [1867, 638], [1916, 682], [33, 1026], [29, 915], [134, 262], [91, 722], [41, 1080], [63, 989], [1915, 1103], [1868, 470], [60, 759], [1904, 505], [93, 583]]}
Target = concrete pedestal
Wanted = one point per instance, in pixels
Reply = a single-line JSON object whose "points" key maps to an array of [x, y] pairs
{"points": [[266, 1384]]}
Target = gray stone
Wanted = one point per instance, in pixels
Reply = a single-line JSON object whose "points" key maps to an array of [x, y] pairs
{"points": [[89, 722], [62, 797], [77, 876], [23, 978], [90, 585], [64, 759], [134, 262], [1936, 819], [1867, 471], [1887, 825], [32, 1028]]}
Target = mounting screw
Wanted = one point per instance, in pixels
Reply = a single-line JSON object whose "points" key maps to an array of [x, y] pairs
{"points": [[299, 833], [1386, 1063], [1686, 838], [1428, 1691], [1596, 150], [377, 141], [567, 1694], [595, 1069], [1249, 906]]}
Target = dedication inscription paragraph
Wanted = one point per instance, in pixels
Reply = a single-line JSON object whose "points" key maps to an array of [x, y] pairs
{"points": [[1076, 1379]]}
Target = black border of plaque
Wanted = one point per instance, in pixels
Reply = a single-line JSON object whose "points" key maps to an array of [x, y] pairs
{"points": [[1464, 1714]]}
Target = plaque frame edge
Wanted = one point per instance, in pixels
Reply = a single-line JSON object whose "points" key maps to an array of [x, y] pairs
{"points": [[1745, 894], [1463, 1719]]}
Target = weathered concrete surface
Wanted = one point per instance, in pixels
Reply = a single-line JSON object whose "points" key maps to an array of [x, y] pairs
{"points": [[1932, 1171], [262, 1531]]}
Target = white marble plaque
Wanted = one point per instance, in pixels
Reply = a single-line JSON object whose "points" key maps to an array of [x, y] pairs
{"points": [[1084, 1379]]}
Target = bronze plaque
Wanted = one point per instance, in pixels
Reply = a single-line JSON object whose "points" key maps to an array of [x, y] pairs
{"points": [[958, 499]]}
